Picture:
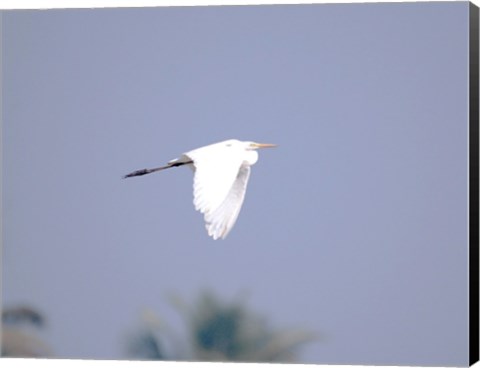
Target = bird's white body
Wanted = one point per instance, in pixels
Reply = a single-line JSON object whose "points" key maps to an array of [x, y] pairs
{"points": [[221, 176], [221, 173]]}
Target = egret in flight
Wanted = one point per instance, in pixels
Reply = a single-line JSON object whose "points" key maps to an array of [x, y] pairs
{"points": [[221, 172]]}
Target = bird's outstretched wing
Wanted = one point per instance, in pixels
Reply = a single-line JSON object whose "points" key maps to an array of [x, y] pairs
{"points": [[219, 188], [214, 177], [220, 221]]}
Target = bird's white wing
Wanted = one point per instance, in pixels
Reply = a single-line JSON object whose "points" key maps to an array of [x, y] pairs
{"points": [[214, 177], [220, 221]]}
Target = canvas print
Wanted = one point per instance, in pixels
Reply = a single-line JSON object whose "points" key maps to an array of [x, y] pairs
{"points": [[262, 183]]}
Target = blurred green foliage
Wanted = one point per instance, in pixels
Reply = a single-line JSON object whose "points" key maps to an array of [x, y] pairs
{"points": [[215, 331], [20, 328]]}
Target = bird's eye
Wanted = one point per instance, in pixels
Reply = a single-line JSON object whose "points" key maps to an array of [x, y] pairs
{"points": [[229, 145]]}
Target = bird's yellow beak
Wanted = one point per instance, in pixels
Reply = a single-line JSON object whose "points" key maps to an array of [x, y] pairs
{"points": [[263, 145]]}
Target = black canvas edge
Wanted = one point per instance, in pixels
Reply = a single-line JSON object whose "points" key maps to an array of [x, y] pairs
{"points": [[473, 187]]}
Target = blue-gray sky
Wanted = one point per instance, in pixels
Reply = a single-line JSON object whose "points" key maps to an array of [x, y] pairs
{"points": [[355, 227]]}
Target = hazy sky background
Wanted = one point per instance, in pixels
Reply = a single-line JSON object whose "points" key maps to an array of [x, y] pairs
{"points": [[354, 227]]}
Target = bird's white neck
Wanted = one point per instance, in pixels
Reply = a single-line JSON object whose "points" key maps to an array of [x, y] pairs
{"points": [[251, 157]]}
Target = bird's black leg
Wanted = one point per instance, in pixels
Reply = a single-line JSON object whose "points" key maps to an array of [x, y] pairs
{"points": [[149, 171], [138, 173]]}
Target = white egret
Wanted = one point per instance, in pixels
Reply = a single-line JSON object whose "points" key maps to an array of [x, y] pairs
{"points": [[220, 180]]}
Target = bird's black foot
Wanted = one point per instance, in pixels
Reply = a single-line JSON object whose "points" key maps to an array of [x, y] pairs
{"points": [[137, 173]]}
